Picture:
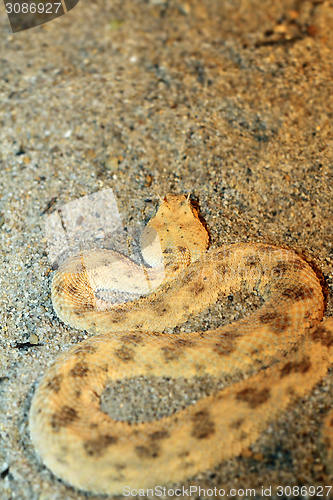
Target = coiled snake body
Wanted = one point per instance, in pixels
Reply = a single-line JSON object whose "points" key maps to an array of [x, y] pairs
{"points": [[283, 350]]}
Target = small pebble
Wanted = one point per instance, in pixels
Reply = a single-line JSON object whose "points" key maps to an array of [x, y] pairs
{"points": [[33, 339]]}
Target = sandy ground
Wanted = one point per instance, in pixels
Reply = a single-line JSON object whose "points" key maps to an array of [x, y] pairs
{"points": [[230, 101]]}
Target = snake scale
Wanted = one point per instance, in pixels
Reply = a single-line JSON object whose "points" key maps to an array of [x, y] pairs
{"points": [[278, 354]]}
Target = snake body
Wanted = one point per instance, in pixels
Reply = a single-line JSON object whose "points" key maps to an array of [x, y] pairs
{"points": [[278, 354]]}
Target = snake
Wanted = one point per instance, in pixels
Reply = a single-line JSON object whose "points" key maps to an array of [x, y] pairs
{"points": [[273, 357]]}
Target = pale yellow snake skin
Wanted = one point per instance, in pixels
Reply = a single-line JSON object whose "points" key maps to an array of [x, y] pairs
{"points": [[283, 350]]}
